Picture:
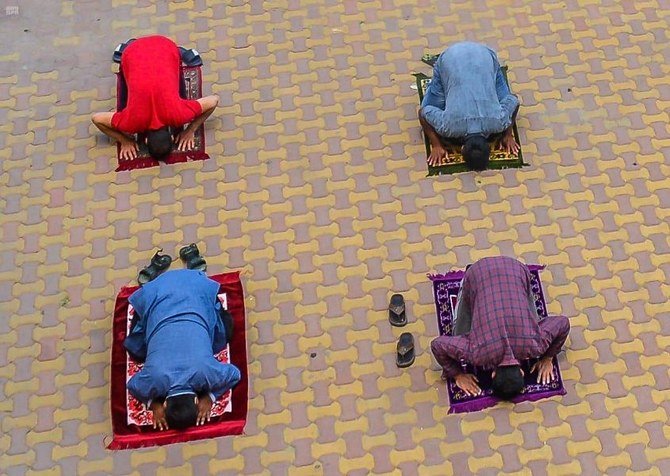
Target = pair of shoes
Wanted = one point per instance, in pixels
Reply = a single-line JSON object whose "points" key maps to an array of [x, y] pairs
{"points": [[398, 318], [189, 254]]}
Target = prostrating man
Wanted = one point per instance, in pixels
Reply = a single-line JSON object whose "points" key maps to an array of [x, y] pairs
{"points": [[468, 103], [179, 326], [151, 68], [497, 327]]}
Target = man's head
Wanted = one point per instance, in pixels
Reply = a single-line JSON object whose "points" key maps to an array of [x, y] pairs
{"points": [[159, 143], [476, 152], [181, 411], [507, 381]]}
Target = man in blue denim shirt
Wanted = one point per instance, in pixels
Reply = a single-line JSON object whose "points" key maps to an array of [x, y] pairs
{"points": [[179, 326], [468, 102]]}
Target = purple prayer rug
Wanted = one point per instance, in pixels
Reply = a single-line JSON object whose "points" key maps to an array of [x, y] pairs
{"points": [[445, 289]]}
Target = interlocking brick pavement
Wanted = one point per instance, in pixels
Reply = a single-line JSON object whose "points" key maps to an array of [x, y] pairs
{"points": [[317, 188]]}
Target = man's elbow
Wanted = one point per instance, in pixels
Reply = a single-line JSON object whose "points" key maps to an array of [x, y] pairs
{"points": [[565, 326], [212, 102], [101, 119]]}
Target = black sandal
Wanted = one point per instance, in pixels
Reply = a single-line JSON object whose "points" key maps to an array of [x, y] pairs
{"points": [[116, 56], [397, 315], [405, 350], [159, 263], [190, 57], [190, 255]]}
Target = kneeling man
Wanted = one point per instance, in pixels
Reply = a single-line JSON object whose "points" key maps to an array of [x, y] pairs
{"points": [[179, 326], [497, 326], [151, 67], [468, 103]]}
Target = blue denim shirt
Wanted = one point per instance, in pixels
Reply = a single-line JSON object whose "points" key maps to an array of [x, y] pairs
{"points": [[178, 333], [468, 93]]}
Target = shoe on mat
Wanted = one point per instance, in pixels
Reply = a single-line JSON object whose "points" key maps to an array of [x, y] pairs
{"points": [[159, 263], [116, 56], [397, 315], [190, 255], [405, 351], [190, 57]]}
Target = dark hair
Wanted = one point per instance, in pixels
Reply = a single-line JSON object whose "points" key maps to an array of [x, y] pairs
{"points": [[181, 411], [476, 152], [508, 382], [159, 143]]}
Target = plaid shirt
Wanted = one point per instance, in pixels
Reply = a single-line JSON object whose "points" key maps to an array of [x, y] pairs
{"points": [[505, 325]]}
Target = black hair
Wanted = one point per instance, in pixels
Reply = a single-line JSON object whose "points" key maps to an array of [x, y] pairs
{"points": [[181, 411], [508, 382], [159, 143], [476, 152]]}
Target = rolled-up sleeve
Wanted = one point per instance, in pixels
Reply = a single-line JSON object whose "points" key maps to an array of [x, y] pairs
{"points": [[434, 95], [509, 104], [508, 101], [146, 388], [449, 351], [221, 378], [554, 331]]}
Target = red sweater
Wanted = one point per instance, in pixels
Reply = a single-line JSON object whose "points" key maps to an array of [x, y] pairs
{"points": [[151, 68]]}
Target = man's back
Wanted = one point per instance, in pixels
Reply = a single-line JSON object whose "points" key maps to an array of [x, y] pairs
{"points": [[151, 68], [503, 323], [180, 316], [470, 81]]}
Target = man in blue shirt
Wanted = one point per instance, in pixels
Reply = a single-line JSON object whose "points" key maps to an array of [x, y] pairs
{"points": [[468, 102], [178, 328]]}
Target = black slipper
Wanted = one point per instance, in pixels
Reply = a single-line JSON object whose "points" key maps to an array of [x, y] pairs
{"points": [[159, 263], [405, 350], [190, 255], [397, 315], [190, 57], [118, 52]]}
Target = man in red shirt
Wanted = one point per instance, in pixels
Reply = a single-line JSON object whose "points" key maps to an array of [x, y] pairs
{"points": [[151, 68], [497, 327]]}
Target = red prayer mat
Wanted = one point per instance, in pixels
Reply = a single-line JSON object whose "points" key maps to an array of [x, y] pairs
{"points": [[193, 82], [132, 423]]}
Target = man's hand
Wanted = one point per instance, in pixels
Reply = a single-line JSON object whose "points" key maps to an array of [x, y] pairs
{"points": [[508, 144], [158, 410], [204, 409], [185, 140], [468, 383], [438, 155], [128, 149], [545, 370]]}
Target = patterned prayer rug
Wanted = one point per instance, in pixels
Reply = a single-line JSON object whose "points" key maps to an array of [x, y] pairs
{"points": [[193, 90], [445, 290], [455, 164], [132, 422]]}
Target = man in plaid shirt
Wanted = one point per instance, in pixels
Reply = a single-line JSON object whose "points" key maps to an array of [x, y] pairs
{"points": [[497, 326]]}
